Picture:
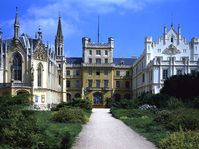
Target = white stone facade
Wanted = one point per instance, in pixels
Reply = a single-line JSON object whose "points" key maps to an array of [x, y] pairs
{"points": [[170, 55]]}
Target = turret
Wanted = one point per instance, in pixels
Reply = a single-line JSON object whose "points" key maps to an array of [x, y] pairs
{"points": [[148, 44], [179, 33], [165, 34], [111, 41], [59, 40], [16, 25]]}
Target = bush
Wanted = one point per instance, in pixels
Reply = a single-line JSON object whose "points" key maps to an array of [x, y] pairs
{"points": [[181, 140], [122, 104], [81, 103], [186, 118], [174, 103], [159, 100], [67, 114], [196, 102]]}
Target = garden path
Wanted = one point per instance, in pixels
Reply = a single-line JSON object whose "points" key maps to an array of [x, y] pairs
{"points": [[106, 132]]}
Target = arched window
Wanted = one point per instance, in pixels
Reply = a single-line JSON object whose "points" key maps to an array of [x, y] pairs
{"points": [[39, 75], [17, 67], [69, 97], [172, 39]]}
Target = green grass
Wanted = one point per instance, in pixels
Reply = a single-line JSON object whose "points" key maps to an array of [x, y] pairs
{"points": [[142, 121], [56, 131]]}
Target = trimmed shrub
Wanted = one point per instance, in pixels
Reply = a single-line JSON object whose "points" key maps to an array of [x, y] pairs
{"points": [[81, 103], [174, 103], [186, 118], [181, 140], [122, 104], [67, 114]]}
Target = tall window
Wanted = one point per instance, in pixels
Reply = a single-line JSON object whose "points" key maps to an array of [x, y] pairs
{"points": [[67, 83], [90, 60], [98, 61], [106, 60], [97, 83], [39, 75], [118, 73], [17, 67], [90, 83], [90, 52], [98, 52], [117, 84], [165, 74], [106, 52], [105, 83], [127, 84]]}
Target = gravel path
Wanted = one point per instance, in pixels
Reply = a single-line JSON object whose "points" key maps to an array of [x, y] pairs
{"points": [[105, 132]]}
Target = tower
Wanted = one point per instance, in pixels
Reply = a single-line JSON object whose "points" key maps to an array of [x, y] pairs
{"points": [[59, 40], [16, 25]]}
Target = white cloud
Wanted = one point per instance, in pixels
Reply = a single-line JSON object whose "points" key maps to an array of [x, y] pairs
{"points": [[71, 12]]}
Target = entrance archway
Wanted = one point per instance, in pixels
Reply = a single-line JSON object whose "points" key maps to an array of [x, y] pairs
{"points": [[97, 98]]}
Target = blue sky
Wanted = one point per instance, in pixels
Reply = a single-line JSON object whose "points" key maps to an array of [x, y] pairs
{"points": [[128, 21]]}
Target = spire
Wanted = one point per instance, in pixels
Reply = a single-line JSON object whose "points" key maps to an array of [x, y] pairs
{"points": [[172, 20], [98, 31], [40, 33], [59, 29], [59, 41], [16, 25]]}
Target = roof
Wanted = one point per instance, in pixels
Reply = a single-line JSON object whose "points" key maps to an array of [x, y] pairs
{"points": [[74, 60], [124, 61], [116, 61]]}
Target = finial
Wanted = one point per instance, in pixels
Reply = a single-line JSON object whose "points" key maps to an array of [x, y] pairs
{"points": [[39, 32], [172, 19], [1, 33]]}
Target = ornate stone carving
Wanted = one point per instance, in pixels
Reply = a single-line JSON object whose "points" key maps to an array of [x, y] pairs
{"points": [[171, 50], [40, 53]]}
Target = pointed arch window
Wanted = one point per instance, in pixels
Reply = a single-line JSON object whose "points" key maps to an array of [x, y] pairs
{"points": [[39, 75], [17, 67]]}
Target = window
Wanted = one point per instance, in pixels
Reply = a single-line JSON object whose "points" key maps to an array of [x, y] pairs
{"points": [[127, 84], [98, 52], [68, 72], [77, 72], [159, 50], [90, 83], [117, 84], [106, 52], [98, 72], [106, 72], [105, 83], [59, 65], [172, 39], [90, 52], [90, 60], [143, 78], [98, 61], [165, 74], [184, 50], [17, 67], [127, 73], [89, 72], [77, 85], [39, 75], [97, 83], [106, 60], [117, 73], [67, 83], [59, 79], [179, 72]]}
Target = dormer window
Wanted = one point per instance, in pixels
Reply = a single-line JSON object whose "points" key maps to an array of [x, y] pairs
{"points": [[122, 62]]}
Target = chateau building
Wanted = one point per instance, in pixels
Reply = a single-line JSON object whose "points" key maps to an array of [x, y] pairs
{"points": [[171, 55], [27, 65]]}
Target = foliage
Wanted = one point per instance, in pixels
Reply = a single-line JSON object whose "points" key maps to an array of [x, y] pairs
{"points": [[122, 103], [181, 140], [196, 102], [182, 86], [159, 100], [142, 121], [174, 103], [186, 118], [81, 103], [67, 114]]}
